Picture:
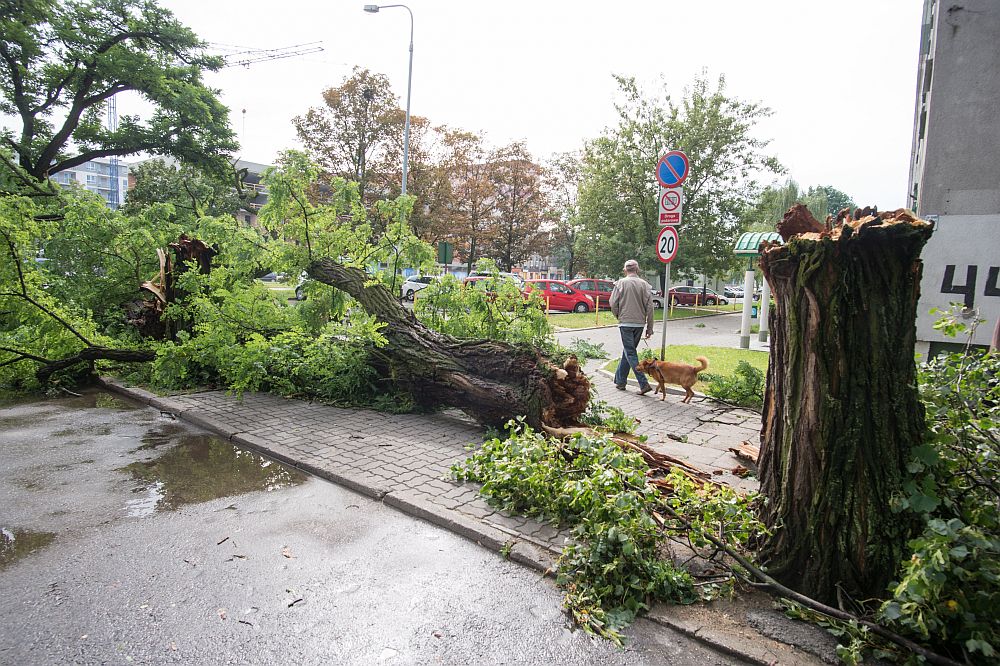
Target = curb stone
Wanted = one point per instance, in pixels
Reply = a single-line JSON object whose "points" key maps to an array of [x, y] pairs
{"points": [[753, 638]]}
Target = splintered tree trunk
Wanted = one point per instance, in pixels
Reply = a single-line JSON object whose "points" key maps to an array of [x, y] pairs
{"points": [[491, 381], [841, 411]]}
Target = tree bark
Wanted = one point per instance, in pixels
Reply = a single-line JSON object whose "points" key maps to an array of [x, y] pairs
{"points": [[491, 381], [90, 354], [841, 410]]}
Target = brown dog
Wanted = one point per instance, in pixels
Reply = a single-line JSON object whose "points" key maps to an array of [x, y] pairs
{"points": [[666, 372]]}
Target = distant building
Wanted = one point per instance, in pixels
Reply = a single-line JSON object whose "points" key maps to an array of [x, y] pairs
{"points": [[955, 164], [252, 183], [96, 176], [256, 190], [538, 267]]}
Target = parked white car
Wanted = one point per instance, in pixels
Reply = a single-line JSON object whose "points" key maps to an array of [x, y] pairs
{"points": [[414, 284], [518, 280]]}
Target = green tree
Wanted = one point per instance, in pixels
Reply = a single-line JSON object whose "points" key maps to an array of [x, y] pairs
{"points": [[836, 200], [775, 200], [564, 178], [619, 191], [193, 193], [60, 63], [771, 204]]}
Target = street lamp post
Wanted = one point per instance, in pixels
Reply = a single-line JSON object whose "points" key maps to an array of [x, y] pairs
{"points": [[373, 9]]}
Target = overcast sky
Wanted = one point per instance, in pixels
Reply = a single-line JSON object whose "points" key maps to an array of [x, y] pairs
{"points": [[839, 76]]}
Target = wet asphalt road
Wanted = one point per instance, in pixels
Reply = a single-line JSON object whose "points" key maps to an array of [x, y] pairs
{"points": [[129, 537]]}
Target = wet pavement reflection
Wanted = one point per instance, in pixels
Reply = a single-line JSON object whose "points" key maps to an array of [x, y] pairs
{"points": [[198, 468], [15, 544]]}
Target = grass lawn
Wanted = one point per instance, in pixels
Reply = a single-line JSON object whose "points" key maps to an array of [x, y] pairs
{"points": [[283, 292], [605, 318], [721, 360]]}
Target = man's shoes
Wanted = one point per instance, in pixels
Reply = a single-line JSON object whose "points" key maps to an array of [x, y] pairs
{"points": [[645, 389], [620, 387]]}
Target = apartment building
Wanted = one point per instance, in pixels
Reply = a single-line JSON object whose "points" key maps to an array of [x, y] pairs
{"points": [[106, 177], [955, 164]]}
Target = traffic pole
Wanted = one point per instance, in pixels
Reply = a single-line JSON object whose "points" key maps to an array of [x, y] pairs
{"points": [[663, 324]]}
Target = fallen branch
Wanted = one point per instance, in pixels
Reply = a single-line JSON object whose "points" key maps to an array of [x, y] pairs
{"points": [[657, 462], [90, 354]]}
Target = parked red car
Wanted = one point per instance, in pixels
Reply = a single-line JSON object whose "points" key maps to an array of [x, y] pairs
{"points": [[599, 290], [694, 296], [560, 296]]}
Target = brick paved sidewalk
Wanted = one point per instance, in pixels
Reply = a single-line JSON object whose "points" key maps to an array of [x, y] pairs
{"points": [[404, 459]]}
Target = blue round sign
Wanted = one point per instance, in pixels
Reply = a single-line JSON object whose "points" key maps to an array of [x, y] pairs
{"points": [[672, 169]]}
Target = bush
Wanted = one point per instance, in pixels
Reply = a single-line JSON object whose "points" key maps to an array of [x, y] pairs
{"points": [[744, 388], [504, 314], [948, 592]]}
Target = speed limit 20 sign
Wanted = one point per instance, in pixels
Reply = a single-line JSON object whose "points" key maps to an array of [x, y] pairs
{"points": [[666, 244]]}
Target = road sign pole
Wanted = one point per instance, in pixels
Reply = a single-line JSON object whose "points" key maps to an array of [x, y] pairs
{"points": [[666, 312]]}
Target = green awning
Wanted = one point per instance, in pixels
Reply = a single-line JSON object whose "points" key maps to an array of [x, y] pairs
{"points": [[749, 243]]}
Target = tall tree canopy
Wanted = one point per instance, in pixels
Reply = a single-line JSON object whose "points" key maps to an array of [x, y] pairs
{"points": [[60, 63], [522, 207], [192, 192], [618, 191], [472, 199], [563, 182], [354, 134]]}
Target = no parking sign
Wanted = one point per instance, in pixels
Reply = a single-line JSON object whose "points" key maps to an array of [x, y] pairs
{"points": [[672, 169]]}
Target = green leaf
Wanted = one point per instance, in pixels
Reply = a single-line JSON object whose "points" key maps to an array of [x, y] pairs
{"points": [[924, 504], [892, 611]]}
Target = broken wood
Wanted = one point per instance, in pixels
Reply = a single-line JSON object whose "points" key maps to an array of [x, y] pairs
{"points": [[491, 381], [747, 451], [660, 464], [147, 315]]}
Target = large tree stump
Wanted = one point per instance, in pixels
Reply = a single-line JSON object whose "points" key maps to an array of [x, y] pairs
{"points": [[841, 411], [491, 381]]}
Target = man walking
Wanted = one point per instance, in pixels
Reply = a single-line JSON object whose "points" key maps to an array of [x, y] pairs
{"points": [[632, 305]]}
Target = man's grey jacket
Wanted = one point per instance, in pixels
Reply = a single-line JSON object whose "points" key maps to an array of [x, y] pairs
{"points": [[632, 302]]}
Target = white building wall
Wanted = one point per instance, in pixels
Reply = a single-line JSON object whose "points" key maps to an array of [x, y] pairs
{"points": [[955, 162]]}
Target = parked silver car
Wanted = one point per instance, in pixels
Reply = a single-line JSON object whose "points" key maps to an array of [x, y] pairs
{"points": [[415, 283]]}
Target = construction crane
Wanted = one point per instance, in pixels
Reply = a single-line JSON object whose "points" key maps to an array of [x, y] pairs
{"points": [[248, 56], [114, 197]]}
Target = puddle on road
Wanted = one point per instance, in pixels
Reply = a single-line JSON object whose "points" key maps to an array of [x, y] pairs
{"points": [[15, 544], [162, 434], [201, 468], [102, 400]]}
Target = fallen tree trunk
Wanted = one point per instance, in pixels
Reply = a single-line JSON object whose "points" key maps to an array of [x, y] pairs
{"points": [[491, 381], [841, 411], [91, 354]]}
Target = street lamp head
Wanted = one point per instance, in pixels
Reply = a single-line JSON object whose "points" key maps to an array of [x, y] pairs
{"points": [[371, 9]]}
